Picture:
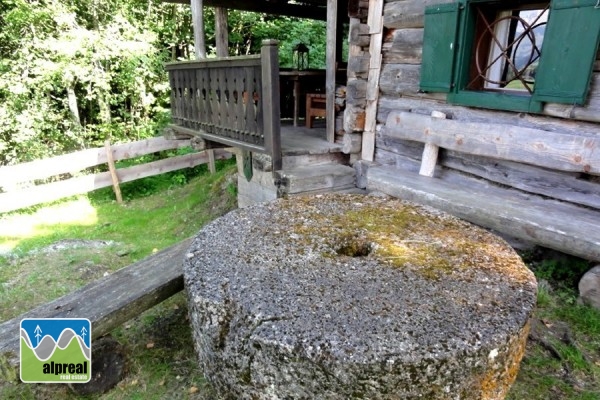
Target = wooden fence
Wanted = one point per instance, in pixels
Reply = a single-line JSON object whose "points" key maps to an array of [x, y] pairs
{"points": [[17, 181]]}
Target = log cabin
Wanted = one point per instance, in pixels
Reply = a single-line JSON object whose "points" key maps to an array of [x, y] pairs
{"points": [[486, 109]]}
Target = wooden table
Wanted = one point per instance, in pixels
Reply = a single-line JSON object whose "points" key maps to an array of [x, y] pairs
{"points": [[297, 76]]}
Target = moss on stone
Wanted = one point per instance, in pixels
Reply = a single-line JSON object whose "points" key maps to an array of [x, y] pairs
{"points": [[396, 233]]}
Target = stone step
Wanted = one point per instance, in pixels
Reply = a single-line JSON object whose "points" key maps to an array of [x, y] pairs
{"points": [[314, 179]]}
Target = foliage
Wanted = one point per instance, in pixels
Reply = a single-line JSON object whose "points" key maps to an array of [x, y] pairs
{"points": [[74, 73], [561, 270]]}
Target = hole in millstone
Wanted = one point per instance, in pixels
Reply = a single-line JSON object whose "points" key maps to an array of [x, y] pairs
{"points": [[355, 247]]}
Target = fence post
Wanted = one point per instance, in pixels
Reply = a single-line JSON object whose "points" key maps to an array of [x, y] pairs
{"points": [[113, 171], [270, 100]]}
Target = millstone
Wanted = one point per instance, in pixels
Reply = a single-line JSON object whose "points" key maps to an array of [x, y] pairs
{"points": [[348, 296]]}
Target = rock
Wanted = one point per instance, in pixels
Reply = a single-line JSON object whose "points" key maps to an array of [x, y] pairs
{"points": [[348, 296], [589, 288]]}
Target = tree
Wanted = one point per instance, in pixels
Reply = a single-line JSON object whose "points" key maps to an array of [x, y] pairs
{"points": [[76, 72]]}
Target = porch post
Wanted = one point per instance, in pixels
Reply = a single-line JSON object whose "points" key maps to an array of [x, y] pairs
{"points": [[200, 50], [330, 68], [222, 32], [270, 100], [198, 23]]}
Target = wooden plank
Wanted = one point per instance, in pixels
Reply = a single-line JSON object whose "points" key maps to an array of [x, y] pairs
{"points": [[113, 172], [330, 55], [553, 224], [109, 301], [358, 61], [563, 152], [356, 92], [238, 61], [374, 19], [403, 46], [400, 79], [11, 201], [430, 152], [389, 103], [376, 30], [564, 186], [77, 161], [270, 101], [359, 33], [407, 13], [358, 64], [354, 118]]}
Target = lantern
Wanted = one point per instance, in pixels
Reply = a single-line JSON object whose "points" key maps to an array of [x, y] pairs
{"points": [[300, 57]]}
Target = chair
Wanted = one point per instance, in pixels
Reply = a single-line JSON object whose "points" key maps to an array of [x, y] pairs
{"points": [[316, 106]]}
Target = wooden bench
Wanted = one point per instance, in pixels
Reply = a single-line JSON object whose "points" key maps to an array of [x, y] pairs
{"points": [[107, 302], [555, 216], [316, 106]]}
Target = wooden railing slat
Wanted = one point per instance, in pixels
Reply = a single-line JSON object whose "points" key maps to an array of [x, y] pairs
{"points": [[80, 160]]}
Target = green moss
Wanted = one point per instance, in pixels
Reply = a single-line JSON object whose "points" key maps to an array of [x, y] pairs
{"points": [[397, 234]]}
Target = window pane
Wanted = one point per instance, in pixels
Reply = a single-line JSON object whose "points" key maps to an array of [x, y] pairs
{"points": [[508, 48]]}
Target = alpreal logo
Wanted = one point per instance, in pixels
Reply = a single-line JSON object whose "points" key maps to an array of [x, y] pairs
{"points": [[56, 350]]}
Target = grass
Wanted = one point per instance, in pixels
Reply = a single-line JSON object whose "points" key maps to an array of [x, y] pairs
{"points": [[562, 359], [161, 361], [563, 353]]}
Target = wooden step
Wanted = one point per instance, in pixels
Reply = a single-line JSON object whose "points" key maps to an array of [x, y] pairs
{"points": [[550, 223], [315, 179], [299, 160]]}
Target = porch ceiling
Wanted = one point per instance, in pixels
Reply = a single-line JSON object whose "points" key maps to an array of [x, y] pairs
{"points": [[311, 9]]}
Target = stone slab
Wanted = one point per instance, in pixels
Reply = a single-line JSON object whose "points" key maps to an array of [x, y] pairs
{"points": [[350, 296]]}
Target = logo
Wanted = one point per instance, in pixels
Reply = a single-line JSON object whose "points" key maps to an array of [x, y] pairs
{"points": [[56, 350]]}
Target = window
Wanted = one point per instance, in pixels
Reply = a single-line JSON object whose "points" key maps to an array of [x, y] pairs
{"points": [[511, 55], [507, 48]]}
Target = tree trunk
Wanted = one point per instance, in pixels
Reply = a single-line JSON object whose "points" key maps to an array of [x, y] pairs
{"points": [[72, 100]]}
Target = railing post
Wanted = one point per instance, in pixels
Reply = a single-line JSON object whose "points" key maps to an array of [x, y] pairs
{"points": [[270, 100]]}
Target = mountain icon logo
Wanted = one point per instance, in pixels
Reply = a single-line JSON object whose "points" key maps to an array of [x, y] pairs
{"points": [[56, 350]]}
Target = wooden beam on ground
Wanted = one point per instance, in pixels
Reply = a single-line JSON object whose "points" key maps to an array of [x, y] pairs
{"points": [[332, 14], [272, 8], [109, 301]]}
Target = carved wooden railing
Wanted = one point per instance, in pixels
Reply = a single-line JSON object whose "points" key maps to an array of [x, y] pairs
{"points": [[233, 100]]}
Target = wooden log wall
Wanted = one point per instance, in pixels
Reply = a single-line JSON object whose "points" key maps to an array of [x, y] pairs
{"points": [[399, 91]]}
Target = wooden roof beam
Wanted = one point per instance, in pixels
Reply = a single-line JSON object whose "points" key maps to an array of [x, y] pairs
{"points": [[290, 10]]}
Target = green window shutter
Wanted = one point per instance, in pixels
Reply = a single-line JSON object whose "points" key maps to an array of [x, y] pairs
{"points": [[568, 53], [439, 47]]}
